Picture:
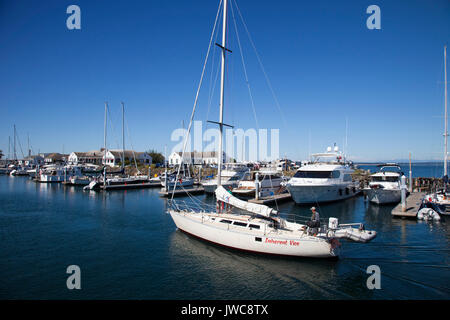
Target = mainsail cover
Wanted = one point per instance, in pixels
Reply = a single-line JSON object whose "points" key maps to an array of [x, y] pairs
{"points": [[225, 196]]}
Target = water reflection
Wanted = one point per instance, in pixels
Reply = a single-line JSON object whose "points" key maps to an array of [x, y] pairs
{"points": [[128, 234], [297, 277]]}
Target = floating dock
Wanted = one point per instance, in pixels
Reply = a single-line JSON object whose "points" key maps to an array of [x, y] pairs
{"points": [[282, 197], [181, 192], [413, 202]]}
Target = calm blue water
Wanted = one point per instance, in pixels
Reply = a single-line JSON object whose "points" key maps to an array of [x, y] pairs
{"points": [[128, 248], [423, 170]]}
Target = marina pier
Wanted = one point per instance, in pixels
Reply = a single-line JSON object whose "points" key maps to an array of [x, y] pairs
{"points": [[413, 202]]}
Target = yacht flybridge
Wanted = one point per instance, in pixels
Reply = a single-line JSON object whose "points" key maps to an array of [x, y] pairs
{"points": [[327, 178], [384, 186], [238, 224]]}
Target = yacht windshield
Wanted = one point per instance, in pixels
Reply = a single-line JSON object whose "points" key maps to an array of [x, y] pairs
{"points": [[384, 178], [314, 174]]}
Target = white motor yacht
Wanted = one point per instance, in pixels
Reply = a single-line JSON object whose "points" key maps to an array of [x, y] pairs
{"points": [[384, 186], [327, 178], [270, 182]]}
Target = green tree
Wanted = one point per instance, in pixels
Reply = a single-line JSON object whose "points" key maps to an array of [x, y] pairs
{"points": [[1, 154], [157, 157]]}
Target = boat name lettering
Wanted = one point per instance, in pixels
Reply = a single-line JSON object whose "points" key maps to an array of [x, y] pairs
{"points": [[283, 242]]}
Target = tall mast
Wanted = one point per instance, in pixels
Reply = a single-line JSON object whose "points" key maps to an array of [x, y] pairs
{"points": [[15, 154], [9, 148], [165, 156], [104, 130], [445, 90], [123, 135], [222, 87]]}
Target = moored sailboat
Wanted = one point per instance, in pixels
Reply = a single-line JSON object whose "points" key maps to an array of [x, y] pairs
{"points": [[441, 198], [241, 225]]}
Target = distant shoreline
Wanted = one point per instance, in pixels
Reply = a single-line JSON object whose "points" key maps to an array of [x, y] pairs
{"points": [[417, 162]]}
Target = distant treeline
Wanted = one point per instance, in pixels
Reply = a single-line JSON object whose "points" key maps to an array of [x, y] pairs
{"points": [[157, 157]]}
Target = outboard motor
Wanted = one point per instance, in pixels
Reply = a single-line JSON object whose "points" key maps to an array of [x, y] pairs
{"points": [[333, 223]]}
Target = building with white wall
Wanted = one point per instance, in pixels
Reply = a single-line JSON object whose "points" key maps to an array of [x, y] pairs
{"points": [[90, 157], [114, 157], [197, 158]]}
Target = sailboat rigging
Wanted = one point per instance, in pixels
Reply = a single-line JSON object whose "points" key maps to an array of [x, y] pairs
{"points": [[238, 224]]}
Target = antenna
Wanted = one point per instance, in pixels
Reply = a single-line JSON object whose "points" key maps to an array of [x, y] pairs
{"points": [[28, 141], [309, 144], [346, 136], [106, 116], [15, 154]]}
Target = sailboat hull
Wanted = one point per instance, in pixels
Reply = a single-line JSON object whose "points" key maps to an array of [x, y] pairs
{"points": [[271, 244]]}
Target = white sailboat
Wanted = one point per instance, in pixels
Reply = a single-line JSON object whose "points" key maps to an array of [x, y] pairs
{"points": [[238, 224], [117, 180], [442, 198], [180, 178]]}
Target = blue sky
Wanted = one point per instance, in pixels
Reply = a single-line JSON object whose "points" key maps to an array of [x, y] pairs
{"points": [[324, 65]]}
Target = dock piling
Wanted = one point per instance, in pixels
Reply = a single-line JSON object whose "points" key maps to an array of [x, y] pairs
{"points": [[257, 186], [403, 187], [165, 180]]}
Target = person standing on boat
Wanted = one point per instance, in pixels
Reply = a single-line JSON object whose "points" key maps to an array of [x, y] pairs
{"points": [[315, 221]]}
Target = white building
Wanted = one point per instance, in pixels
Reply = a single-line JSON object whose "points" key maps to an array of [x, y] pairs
{"points": [[92, 157], [55, 158], [114, 157], [197, 158]]}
